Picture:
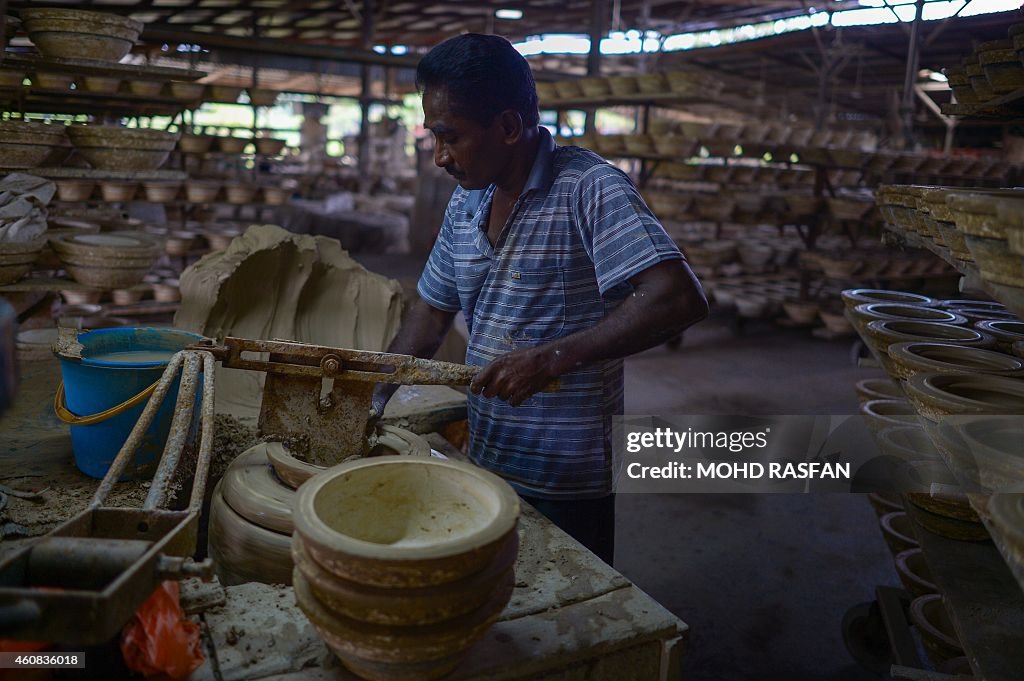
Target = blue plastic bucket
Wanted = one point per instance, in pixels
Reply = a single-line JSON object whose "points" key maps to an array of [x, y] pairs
{"points": [[92, 386]]}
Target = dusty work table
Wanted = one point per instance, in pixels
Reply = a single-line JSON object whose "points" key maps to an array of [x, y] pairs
{"points": [[571, 618]]}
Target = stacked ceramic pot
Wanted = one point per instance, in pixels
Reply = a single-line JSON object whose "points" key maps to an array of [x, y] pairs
{"points": [[961, 402], [107, 260], [79, 34], [111, 147], [251, 509], [402, 564], [30, 145]]}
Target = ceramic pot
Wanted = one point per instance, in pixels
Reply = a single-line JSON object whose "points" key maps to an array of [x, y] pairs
{"points": [[898, 532], [878, 389], [914, 573], [913, 357], [435, 521], [929, 615], [938, 395], [861, 296]]}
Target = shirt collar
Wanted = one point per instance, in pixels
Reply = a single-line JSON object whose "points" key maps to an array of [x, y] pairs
{"points": [[541, 177]]}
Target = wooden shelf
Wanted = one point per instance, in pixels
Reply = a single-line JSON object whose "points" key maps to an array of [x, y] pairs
{"points": [[640, 98], [91, 67], [35, 100], [984, 601], [94, 174], [1006, 106]]}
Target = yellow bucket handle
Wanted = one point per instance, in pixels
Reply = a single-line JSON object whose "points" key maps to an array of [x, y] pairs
{"points": [[71, 419]]}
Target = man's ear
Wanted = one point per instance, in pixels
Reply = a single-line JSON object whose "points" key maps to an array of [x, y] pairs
{"points": [[511, 125]]}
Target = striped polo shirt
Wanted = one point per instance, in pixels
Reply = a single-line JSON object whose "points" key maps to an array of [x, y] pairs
{"points": [[577, 233]]}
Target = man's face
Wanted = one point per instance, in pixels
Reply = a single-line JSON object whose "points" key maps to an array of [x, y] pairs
{"points": [[472, 154]]}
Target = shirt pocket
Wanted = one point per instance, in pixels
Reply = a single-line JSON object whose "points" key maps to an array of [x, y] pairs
{"points": [[536, 300]]}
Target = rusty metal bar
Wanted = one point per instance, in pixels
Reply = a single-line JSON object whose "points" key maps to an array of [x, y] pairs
{"points": [[135, 437], [180, 427], [206, 439]]}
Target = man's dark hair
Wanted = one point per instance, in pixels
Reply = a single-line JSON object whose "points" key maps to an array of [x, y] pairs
{"points": [[484, 75]]}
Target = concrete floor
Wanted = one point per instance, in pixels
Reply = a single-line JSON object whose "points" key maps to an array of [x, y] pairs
{"points": [[762, 580]]}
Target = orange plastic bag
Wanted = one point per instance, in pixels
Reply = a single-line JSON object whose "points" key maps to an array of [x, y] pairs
{"points": [[159, 639]]}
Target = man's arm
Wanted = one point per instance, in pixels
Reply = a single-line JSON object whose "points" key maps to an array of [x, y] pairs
{"points": [[421, 334], [666, 299]]}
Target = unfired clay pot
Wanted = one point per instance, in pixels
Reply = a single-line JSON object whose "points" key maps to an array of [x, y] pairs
{"points": [[914, 573], [914, 357], [861, 296], [938, 395], [928, 614], [898, 532]]}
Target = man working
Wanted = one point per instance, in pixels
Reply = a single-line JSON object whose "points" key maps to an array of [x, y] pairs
{"points": [[560, 270]]}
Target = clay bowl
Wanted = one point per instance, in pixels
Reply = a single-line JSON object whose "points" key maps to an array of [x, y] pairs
{"points": [[928, 614], [864, 314], [275, 196], [906, 442], [179, 243], [186, 92], [1005, 331], [240, 193], [35, 344], [388, 653], [861, 296], [113, 158], [123, 296], [222, 93], [898, 532], [73, 190], [269, 146], [202, 191], [15, 155], [883, 333], [120, 148], [232, 145], [167, 291], [435, 521], [100, 85], [878, 389], [116, 191], [18, 257], [219, 241], [914, 573], [915, 357], [881, 414], [78, 34], [412, 607], [195, 144], [145, 88], [994, 444], [1018, 349], [81, 303], [939, 395], [234, 540], [984, 314], [52, 80], [385, 441], [973, 304], [262, 96], [884, 503], [126, 256], [161, 192]]}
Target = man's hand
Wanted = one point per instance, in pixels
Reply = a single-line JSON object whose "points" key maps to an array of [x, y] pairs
{"points": [[519, 374]]}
